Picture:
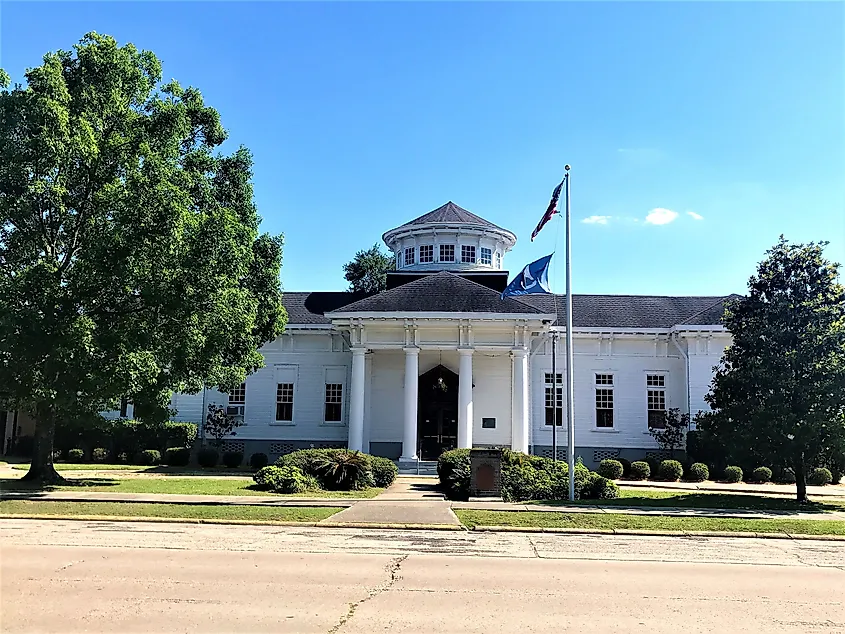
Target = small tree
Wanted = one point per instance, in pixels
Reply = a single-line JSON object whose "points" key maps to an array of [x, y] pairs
{"points": [[670, 436], [219, 424], [367, 271]]}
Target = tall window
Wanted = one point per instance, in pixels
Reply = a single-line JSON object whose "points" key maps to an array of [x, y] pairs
{"points": [[237, 402], [409, 256], [399, 260], [604, 400], [486, 256], [656, 395], [550, 399], [124, 407], [334, 402], [498, 260], [284, 402], [426, 253], [447, 252], [468, 254]]}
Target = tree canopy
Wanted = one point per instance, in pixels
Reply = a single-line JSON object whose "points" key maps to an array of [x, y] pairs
{"points": [[367, 271], [779, 392], [131, 263]]}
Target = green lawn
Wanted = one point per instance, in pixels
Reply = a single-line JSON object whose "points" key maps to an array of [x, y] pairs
{"points": [[471, 519], [88, 466], [198, 485], [684, 499], [171, 511]]}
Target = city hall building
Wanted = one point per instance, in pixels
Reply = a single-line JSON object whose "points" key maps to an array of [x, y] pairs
{"points": [[439, 360]]}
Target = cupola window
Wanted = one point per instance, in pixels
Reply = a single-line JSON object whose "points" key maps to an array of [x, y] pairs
{"points": [[426, 253], [485, 256], [468, 254], [447, 252], [409, 256]]}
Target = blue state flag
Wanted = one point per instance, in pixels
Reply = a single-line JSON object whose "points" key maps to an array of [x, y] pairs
{"points": [[534, 278]]}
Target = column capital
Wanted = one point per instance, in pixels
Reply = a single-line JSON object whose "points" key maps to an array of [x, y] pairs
{"points": [[519, 352], [358, 351], [412, 350], [465, 351]]}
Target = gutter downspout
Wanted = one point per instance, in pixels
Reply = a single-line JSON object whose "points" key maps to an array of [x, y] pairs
{"points": [[685, 356]]}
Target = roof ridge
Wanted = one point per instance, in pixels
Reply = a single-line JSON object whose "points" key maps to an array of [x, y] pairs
{"points": [[721, 300]]}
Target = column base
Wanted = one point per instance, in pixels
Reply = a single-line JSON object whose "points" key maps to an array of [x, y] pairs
{"points": [[408, 462]]}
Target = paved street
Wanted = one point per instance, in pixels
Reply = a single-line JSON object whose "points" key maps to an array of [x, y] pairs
{"points": [[71, 576]]}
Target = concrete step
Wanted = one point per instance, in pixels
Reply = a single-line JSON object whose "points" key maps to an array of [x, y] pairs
{"points": [[423, 468]]}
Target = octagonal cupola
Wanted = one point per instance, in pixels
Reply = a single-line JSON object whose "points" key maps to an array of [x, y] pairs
{"points": [[449, 239]]}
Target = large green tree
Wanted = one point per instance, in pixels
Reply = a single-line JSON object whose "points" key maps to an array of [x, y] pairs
{"points": [[779, 392], [131, 263], [367, 271]]}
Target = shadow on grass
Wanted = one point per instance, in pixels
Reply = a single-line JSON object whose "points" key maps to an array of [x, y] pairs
{"points": [[14, 485], [723, 501]]}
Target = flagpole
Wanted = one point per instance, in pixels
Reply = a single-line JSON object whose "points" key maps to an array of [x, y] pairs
{"points": [[570, 389], [554, 393]]}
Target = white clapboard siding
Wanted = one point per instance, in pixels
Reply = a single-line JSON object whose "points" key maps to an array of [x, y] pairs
{"points": [[492, 398]]}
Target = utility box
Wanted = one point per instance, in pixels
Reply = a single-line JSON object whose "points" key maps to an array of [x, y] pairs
{"points": [[485, 480]]}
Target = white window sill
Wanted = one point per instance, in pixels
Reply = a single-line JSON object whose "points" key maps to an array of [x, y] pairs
{"points": [[604, 430], [282, 423], [332, 424]]}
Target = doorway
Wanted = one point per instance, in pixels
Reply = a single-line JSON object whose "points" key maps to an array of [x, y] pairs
{"points": [[437, 407]]}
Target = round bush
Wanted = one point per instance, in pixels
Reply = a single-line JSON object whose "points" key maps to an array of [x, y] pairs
{"points": [[733, 474], [671, 470], [820, 476], [287, 480], [258, 460], [626, 467], [384, 471], [611, 469], [75, 455], [262, 476], [148, 457], [597, 487], [99, 455], [524, 482], [698, 472], [761, 474], [233, 459], [654, 466], [177, 456], [837, 475], [344, 471], [640, 470], [207, 457]]}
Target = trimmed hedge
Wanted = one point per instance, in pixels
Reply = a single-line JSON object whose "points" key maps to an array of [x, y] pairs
{"points": [[733, 474], [611, 469], [384, 471], [258, 460], [698, 472], [207, 457], [123, 436], [334, 469], [75, 455], [233, 459], [177, 456], [671, 471], [148, 457], [453, 470], [761, 474], [640, 470], [820, 476]]}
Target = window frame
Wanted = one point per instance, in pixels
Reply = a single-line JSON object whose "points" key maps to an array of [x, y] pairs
{"points": [[603, 395], [485, 256], [236, 403], [429, 258], [280, 389], [469, 254], [548, 399], [409, 256], [446, 247], [656, 395], [339, 387]]}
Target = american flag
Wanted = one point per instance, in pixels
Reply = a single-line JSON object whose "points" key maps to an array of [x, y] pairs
{"points": [[551, 210]]}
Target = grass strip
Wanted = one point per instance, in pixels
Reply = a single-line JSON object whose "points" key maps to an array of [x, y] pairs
{"points": [[90, 466], [169, 511], [472, 518]]}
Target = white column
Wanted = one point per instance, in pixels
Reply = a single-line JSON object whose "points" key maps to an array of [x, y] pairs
{"points": [[412, 377], [356, 401], [465, 399], [519, 430]]}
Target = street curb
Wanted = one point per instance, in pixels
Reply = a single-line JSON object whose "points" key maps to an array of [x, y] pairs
{"points": [[385, 525], [654, 533]]}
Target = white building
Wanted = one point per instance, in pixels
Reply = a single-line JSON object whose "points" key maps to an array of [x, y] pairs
{"points": [[439, 360]]}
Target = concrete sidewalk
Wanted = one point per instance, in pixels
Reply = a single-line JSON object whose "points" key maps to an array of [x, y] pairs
{"points": [[173, 498], [831, 490]]}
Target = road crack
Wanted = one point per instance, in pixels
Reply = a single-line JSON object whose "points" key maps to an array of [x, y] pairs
{"points": [[392, 570]]}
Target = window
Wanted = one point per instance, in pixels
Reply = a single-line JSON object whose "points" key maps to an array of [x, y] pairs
{"points": [[426, 253], [604, 400], [498, 260], [284, 402], [550, 400], [124, 407], [409, 256], [447, 252], [334, 402], [486, 256], [468, 254], [237, 401], [399, 260], [656, 398], [488, 423]]}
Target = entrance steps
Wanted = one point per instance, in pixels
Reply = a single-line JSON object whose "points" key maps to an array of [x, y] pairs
{"points": [[423, 468]]}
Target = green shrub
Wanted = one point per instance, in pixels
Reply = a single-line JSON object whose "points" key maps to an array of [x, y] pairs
{"points": [[233, 459], [761, 474], [626, 467], [653, 465], [345, 471], [733, 474], [258, 460], [640, 470], [524, 482], [207, 457], [283, 479], [177, 434], [384, 471], [306, 460], [75, 455], [449, 459], [148, 457], [783, 475], [671, 471], [99, 455], [698, 472], [820, 476], [453, 471], [262, 476], [597, 487], [177, 456], [611, 469], [836, 474]]}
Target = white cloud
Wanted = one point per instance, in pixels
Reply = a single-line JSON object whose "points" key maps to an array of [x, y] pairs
{"points": [[695, 216], [660, 216], [596, 220]]}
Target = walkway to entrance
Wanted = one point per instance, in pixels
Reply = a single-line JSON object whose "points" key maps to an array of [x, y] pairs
{"points": [[408, 501]]}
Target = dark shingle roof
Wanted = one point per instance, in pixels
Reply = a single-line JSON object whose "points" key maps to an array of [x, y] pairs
{"points": [[443, 292], [450, 213], [632, 311], [309, 308]]}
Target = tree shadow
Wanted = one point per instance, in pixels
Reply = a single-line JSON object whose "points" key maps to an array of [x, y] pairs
{"points": [[711, 501], [14, 485]]}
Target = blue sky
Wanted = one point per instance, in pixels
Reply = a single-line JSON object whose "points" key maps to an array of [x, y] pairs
{"points": [[362, 116]]}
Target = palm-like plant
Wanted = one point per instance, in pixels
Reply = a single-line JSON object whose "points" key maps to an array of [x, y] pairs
{"points": [[345, 471]]}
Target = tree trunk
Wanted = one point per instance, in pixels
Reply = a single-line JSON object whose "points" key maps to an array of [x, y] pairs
{"points": [[41, 469], [800, 480]]}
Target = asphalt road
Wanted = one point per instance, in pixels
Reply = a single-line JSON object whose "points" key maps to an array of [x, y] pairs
{"points": [[63, 576]]}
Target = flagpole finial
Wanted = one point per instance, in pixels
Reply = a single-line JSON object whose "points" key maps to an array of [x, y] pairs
{"points": [[566, 167]]}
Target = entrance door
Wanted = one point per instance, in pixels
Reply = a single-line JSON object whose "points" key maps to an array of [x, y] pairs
{"points": [[437, 424]]}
